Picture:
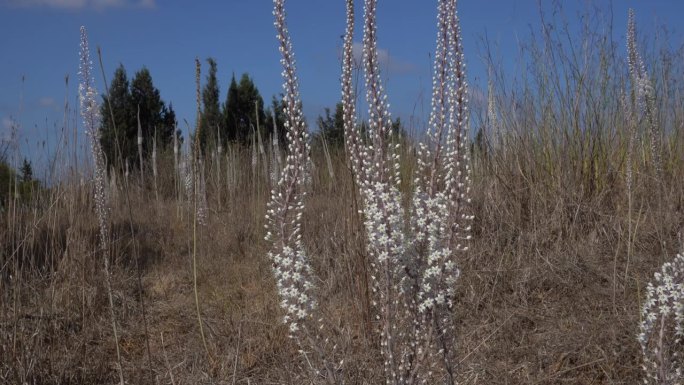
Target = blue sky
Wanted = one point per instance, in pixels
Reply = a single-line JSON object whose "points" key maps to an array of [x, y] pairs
{"points": [[40, 39]]}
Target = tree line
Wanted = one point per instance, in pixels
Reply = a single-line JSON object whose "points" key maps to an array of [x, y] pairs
{"points": [[130, 105], [133, 108], [242, 116]]}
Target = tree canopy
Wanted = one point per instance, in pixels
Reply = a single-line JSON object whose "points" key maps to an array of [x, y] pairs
{"points": [[234, 121], [211, 121], [243, 110], [331, 126], [126, 101]]}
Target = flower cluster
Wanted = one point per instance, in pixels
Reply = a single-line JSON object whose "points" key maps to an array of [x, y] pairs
{"points": [[637, 70], [440, 271], [643, 94], [90, 113], [384, 224], [414, 272], [661, 333], [291, 270], [352, 133], [202, 207], [186, 175], [291, 266]]}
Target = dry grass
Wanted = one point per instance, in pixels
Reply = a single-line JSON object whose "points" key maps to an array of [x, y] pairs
{"points": [[548, 294], [543, 297]]}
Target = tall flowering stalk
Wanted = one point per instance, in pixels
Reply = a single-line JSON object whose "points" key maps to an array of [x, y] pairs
{"points": [[90, 113], [414, 272], [661, 333], [199, 201], [493, 122], [140, 150], [154, 166], [284, 212], [217, 164], [291, 265], [642, 96]]}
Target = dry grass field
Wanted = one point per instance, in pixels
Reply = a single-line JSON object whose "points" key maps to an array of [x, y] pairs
{"points": [[550, 291]]}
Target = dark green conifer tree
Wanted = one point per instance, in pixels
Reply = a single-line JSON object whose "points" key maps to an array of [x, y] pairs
{"points": [[125, 98], [123, 129], [230, 111], [244, 105], [332, 126], [211, 119]]}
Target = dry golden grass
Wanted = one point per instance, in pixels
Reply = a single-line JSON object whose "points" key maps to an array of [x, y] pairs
{"points": [[543, 298], [550, 291]]}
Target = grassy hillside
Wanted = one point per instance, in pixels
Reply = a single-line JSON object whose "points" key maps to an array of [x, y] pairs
{"points": [[551, 288]]}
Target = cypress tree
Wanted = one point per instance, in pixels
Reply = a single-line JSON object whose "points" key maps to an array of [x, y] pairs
{"points": [[231, 111], [243, 104], [251, 105], [146, 96], [123, 129], [332, 126], [125, 98], [211, 114], [275, 115]]}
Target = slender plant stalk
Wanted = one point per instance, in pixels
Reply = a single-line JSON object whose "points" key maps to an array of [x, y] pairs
{"points": [[328, 160], [292, 268], [166, 360], [140, 150], [136, 250], [154, 165], [91, 119], [195, 165], [219, 152]]}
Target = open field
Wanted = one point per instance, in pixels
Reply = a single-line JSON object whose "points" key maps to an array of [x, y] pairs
{"points": [[572, 217]]}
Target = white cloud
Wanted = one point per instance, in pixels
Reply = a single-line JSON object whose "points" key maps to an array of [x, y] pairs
{"points": [[385, 60], [80, 4]]}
